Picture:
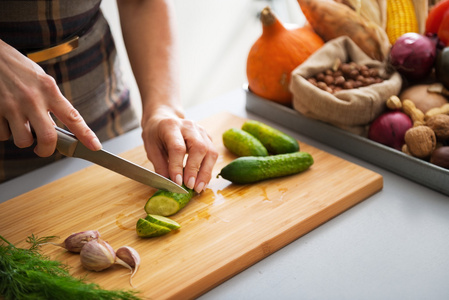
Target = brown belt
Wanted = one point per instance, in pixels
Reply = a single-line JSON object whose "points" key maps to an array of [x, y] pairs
{"points": [[54, 51]]}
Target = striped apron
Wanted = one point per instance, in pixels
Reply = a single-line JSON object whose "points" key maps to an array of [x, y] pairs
{"points": [[88, 76]]}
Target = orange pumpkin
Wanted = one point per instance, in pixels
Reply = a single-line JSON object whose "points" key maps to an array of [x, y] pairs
{"points": [[275, 54]]}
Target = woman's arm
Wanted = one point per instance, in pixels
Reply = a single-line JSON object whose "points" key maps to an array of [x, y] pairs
{"points": [[148, 28]]}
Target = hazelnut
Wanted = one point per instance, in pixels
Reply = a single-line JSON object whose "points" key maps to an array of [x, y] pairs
{"points": [[373, 72], [329, 79], [353, 74], [312, 81], [421, 141], [440, 125], [339, 80], [440, 157]]}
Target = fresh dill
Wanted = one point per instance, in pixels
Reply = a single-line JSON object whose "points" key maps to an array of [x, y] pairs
{"points": [[28, 274]]}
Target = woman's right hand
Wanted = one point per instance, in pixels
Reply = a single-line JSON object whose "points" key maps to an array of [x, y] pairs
{"points": [[27, 97]]}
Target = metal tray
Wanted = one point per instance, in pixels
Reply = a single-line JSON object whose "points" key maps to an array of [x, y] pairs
{"points": [[420, 171]]}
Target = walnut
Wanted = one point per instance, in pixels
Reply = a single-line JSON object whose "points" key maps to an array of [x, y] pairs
{"points": [[440, 125], [421, 141]]}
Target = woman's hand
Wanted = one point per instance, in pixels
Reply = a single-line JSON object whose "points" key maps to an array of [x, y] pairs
{"points": [[168, 139], [27, 96]]}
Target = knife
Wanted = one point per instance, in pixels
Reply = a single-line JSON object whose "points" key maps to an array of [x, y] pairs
{"points": [[69, 145]]}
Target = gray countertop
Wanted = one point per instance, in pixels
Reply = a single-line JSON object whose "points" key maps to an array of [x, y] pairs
{"points": [[393, 245]]}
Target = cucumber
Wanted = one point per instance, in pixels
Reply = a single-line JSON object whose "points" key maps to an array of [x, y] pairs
{"points": [[165, 203], [241, 143], [163, 221], [155, 225], [252, 169], [275, 141], [145, 228]]}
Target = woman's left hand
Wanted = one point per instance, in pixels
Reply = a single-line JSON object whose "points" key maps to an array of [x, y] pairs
{"points": [[168, 139]]}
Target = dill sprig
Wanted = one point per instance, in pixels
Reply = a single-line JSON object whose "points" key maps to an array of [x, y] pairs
{"points": [[27, 274]]}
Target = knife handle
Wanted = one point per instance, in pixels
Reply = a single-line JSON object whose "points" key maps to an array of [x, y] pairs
{"points": [[67, 142]]}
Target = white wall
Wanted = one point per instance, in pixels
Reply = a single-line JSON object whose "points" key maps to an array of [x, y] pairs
{"points": [[215, 37]]}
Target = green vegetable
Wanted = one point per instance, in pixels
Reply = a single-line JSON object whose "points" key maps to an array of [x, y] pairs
{"points": [[155, 225], [145, 228], [275, 141], [27, 274], [241, 143], [163, 221], [252, 169], [165, 203]]}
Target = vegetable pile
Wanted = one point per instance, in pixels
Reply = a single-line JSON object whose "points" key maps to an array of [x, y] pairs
{"points": [[285, 158], [408, 38]]}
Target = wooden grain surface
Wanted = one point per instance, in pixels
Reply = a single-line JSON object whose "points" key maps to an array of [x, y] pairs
{"points": [[224, 230]]}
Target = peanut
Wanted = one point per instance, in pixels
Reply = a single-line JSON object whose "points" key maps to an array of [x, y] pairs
{"points": [[394, 102], [444, 110], [409, 108]]}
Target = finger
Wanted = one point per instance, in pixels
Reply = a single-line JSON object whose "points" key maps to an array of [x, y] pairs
{"points": [[176, 153], [68, 115], [205, 172], [197, 150], [45, 135], [159, 159], [21, 132], [5, 132]]}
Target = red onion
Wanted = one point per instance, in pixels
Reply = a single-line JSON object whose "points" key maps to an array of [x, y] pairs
{"points": [[389, 129], [413, 55]]}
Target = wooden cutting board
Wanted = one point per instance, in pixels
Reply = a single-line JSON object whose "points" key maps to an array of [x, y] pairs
{"points": [[224, 230]]}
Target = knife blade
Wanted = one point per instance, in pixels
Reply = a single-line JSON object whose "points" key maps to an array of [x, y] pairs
{"points": [[69, 145]]}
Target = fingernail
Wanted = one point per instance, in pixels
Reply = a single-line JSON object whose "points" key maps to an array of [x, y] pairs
{"points": [[191, 183], [200, 187], [95, 143], [178, 179]]}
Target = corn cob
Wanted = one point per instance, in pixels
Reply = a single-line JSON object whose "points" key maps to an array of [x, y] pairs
{"points": [[401, 18]]}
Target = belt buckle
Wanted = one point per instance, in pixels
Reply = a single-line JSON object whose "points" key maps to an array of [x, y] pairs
{"points": [[54, 51]]}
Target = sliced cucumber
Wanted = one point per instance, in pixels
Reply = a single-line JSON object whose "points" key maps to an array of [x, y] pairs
{"points": [[165, 203], [145, 228], [163, 221]]}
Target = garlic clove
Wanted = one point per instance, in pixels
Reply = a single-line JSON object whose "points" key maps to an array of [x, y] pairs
{"points": [[76, 241], [129, 256], [97, 255]]}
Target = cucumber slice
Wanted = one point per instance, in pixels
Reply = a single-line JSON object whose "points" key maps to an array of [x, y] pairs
{"points": [[163, 221], [165, 203], [145, 228]]}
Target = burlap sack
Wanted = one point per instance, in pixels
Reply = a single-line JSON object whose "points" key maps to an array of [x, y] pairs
{"points": [[351, 109]]}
